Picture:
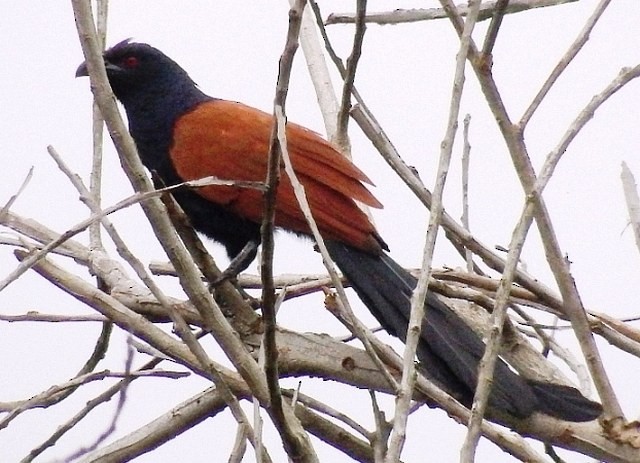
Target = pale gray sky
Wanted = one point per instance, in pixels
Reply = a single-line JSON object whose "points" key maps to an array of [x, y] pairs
{"points": [[231, 49]]}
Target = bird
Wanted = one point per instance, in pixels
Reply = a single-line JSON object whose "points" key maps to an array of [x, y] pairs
{"points": [[183, 134]]}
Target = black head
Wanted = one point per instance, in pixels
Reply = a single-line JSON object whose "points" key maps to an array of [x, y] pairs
{"points": [[155, 92], [136, 70]]}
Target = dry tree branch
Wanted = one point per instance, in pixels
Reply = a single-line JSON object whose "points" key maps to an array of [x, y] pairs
{"points": [[297, 358], [318, 70], [400, 16], [164, 428], [111, 426], [33, 316], [295, 440], [625, 76], [361, 331], [632, 199], [189, 277], [564, 62], [206, 405], [139, 197], [95, 180], [325, 409], [180, 326], [379, 438], [496, 21], [346, 72], [466, 159], [342, 138], [535, 207], [239, 445], [91, 404], [5, 209], [418, 309]]}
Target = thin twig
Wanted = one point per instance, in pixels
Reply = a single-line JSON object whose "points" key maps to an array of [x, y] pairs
{"points": [[350, 75], [95, 180], [380, 436], [564, 62], [295, 440], [239, 445], [43, 399], [492, 33], [418, 309], [122, 399], [466, 157], [632, 199], [358, 328], [325, 409], [139, 197], [5, 209], [91, 405]]}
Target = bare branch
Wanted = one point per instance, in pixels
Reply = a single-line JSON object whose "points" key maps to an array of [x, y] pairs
{"points": [[418, 309], [501, 7], [630, 188], [295, 440], [564, 62], [350, 75], [535, 207], [95, 181], [400, 16], [5, 209]]}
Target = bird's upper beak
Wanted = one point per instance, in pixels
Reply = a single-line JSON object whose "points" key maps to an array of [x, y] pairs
{"points": [[83, 71]]}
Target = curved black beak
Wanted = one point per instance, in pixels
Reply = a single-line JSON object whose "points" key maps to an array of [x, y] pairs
{"points": [[82, 70]]}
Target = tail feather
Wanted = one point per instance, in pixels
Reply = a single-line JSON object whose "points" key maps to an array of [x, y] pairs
{"points": [[564, 402], [449, 350]]}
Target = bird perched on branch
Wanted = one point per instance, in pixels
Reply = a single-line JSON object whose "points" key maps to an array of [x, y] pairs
{"points": [[183, 134]]}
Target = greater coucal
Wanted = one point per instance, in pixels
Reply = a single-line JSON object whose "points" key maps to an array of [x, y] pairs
{"points": [[183, 134]]}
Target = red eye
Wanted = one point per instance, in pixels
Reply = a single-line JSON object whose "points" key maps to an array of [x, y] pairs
{"points": [[130, 62]]}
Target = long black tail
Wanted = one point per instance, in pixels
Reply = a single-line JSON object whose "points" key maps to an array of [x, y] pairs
{"points": [[449, 350]]}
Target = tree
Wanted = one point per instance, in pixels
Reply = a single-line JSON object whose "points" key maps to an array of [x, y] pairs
{"points": [[164, 333]]}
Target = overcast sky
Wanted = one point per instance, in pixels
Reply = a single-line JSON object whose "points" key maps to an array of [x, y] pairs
{"points": [[231, 49]]}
